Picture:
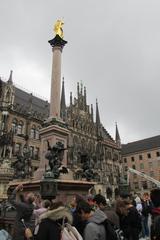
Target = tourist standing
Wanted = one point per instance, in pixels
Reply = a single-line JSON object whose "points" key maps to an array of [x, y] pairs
{"points": [[24, 209], [95, 229], [78, 223], [130, 220], [146, 210], [38, 212], [51, 222], [101, 203]]}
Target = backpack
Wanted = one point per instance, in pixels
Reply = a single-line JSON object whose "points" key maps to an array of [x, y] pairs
{"points": [[70, 233], [112, 231]]}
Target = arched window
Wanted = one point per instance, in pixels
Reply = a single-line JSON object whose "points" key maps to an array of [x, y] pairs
{"points": [[14, 125], [37, 132], [17, 148], [20, 127], [33, 132], [32, 151]]}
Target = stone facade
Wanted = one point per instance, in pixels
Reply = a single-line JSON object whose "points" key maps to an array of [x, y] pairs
{"points": [[89, 137], [23, 115], [144, 156]]}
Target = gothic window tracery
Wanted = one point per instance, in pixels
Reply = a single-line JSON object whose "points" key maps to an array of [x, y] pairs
{"points": [[37, 132], [17, 148], [20, 127], [109, 155], [33, 132], [14, 125], [32, 151], [115, 157]]}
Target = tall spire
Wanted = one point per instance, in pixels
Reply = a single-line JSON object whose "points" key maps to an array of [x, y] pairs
{"points": [[98, 122], [63, 103], [97, 114], [117, 137], [10, 77], [92, 112], [85, 99], [78, 89], [81, 88], [71, 101]]}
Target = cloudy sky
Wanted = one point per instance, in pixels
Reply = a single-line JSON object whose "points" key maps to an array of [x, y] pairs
{"points": [[113, 48]]}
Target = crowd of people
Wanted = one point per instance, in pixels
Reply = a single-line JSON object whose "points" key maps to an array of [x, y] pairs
{"points": [[88, 218]]}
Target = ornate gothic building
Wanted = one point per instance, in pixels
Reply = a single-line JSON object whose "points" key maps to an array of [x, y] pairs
{"points": [[21, 116], [89, 144]]}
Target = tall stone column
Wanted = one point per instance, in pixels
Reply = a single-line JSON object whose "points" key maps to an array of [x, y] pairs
{"points": [[53, 132], [57, 44]]}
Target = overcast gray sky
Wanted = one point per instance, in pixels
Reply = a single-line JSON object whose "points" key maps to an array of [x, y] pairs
{"points": [[113, 48]]}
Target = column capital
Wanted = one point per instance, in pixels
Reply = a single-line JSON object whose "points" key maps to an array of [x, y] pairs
{"points": [[57, 41]]}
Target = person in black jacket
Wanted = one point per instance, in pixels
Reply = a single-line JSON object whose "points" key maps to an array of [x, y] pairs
{"points": [[78, 223], [24, 208], [51, 222], [155, 226], [146, 210], [130, 220]]}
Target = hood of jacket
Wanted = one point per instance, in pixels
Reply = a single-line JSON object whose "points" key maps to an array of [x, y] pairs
{"points": [[98, 217], [57, 214]]}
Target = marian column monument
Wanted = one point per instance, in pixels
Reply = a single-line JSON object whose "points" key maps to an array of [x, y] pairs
{"points": [[54, 129], [53, 178]]}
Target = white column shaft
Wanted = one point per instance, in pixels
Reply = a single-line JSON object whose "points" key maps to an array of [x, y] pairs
{"points": [[55, 83]]}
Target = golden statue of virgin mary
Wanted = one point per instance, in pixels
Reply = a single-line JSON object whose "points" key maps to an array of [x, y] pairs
{"points": [[58, 28]]}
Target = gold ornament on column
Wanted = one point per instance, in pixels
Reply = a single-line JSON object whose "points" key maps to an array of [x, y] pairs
{"points": [[58, 28]]}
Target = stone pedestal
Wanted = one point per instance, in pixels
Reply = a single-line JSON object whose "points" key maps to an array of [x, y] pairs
{"points": [[66, 189], [52, 133]]}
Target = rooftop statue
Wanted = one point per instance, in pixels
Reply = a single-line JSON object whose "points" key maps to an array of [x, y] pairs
{"points": [[58, 28]]}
